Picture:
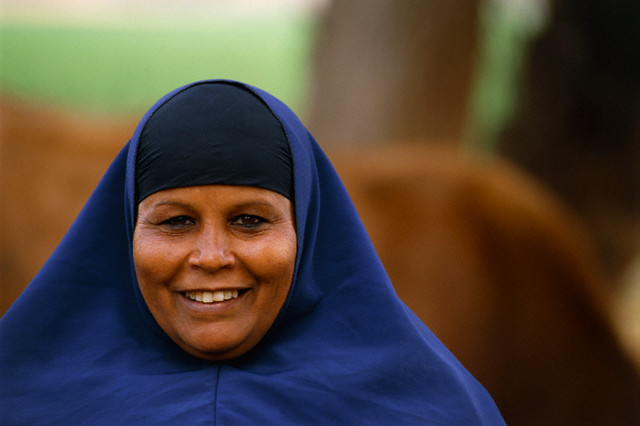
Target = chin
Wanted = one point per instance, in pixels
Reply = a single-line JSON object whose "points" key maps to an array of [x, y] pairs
{"points": [[215, 350]]}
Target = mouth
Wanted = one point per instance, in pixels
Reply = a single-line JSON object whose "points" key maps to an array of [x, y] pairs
{"points": [[210, 297]]}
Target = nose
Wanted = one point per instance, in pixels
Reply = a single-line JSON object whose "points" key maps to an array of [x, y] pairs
{"points": [[212, 250]]}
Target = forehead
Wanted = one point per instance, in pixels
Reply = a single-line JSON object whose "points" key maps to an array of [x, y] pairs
{"points": [[213, 196]]}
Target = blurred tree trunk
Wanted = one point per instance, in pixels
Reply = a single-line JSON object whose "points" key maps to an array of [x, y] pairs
{"points": [[578, 122], [393, 69]]}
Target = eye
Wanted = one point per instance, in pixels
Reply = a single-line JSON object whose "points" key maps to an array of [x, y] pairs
{"points": [[178, 222], [248, 221]]}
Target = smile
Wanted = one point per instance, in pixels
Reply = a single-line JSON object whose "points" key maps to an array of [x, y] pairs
{"points": [[211, 296]]}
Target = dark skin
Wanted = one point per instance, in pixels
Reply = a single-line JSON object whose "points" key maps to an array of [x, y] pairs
{"points": [[215, 265]]}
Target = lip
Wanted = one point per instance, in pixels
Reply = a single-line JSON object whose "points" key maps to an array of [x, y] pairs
{"points": [[213, 308]]}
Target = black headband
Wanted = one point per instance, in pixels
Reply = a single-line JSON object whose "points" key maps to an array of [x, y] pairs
{"points": [[213, 133]]}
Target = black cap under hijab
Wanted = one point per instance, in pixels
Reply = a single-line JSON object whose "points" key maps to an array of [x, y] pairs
{"points": [[213, 133]]}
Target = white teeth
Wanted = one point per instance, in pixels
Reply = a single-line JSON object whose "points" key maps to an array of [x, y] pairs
{"points": [[211, 296]]}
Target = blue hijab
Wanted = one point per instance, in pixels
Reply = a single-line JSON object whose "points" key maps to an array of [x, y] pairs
{"points": [[79, 346]]}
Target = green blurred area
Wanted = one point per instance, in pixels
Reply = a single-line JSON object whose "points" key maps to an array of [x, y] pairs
{"points": [[117, 69], [124, 70]]}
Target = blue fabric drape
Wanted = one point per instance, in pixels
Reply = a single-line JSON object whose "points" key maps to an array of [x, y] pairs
{"points": [[79, 345]]}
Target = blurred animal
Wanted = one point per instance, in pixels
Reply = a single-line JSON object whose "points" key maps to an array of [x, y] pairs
{"points": [[483, 254], [505, 277], [50, 161]]}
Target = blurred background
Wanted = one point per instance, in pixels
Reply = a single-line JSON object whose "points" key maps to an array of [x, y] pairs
{"points": [[503, 134]]}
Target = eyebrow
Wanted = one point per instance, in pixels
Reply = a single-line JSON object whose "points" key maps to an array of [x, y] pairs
{"points": [[162, 203]]}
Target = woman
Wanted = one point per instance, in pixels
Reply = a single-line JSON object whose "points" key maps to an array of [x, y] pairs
{"points": [[220, 274]]}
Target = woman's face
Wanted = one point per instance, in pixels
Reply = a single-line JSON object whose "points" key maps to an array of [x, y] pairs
{"points": [[215, 264]]}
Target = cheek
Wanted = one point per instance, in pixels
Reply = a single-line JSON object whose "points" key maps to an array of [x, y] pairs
{"points": [[278, 263], [143, 257], [154, 270], [152, 264]]}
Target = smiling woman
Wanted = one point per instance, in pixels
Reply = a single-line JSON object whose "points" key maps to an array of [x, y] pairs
{"points": [[220, 274], [215, 264], [195, 246]]}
